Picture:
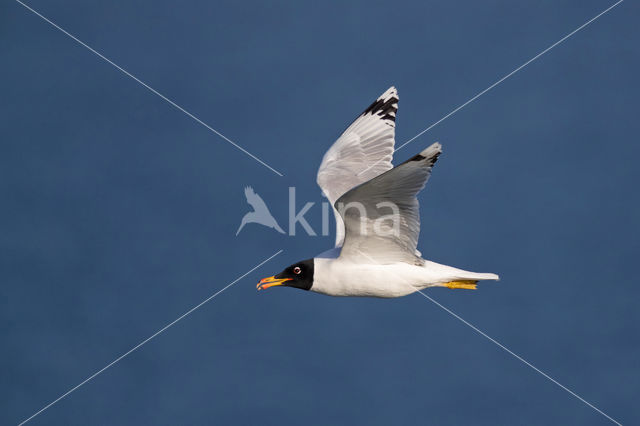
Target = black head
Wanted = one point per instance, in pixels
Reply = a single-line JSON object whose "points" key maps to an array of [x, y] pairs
{"points": [[298, 275]]}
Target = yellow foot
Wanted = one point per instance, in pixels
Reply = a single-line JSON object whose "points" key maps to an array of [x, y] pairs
{"points": [[466, 284]]}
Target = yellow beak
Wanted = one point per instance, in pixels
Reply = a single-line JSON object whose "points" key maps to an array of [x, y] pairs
{"points": [[265, 283]]}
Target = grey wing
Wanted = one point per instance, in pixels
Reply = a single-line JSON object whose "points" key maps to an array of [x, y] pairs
{"points": [[363, 151], [381, 216]]}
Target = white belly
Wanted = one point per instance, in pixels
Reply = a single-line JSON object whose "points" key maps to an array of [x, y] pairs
{"points": [[335, 277]]}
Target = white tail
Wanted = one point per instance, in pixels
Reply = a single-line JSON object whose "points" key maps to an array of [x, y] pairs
{"points": [[479, 276]]}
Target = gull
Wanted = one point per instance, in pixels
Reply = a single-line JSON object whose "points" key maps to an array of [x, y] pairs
{"points": [[377, 217], [260, 213]]}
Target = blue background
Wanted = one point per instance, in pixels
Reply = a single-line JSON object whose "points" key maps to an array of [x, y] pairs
{"points": [[118, 212]]}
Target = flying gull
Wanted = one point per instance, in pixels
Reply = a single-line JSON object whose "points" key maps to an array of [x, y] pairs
{"points": [[377, 217]]}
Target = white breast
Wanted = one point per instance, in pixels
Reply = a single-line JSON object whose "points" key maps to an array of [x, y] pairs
{"points": [[336, 277]]}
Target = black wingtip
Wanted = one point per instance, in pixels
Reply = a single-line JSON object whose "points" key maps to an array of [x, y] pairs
{"points": [[386, 106], [430, 155]]}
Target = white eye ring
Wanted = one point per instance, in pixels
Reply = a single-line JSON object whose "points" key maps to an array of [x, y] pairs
{"points": [[297, 270]]}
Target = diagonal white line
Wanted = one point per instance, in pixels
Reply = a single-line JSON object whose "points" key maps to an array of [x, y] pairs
{"points": [[501, 79], [510, 74], [518, 357], [128, 74], [148, 339]]}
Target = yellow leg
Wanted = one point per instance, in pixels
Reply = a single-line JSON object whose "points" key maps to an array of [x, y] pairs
{"points": [[466, 284]]}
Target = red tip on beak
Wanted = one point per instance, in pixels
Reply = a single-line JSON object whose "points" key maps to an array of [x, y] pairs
{"points": [[265, 283]]}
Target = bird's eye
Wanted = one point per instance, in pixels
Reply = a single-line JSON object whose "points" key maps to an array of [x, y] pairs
{"points": [[297, 270]]}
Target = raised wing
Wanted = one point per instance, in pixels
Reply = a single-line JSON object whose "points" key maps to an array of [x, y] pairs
{"points": [[363, 151], [381, 216]]}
